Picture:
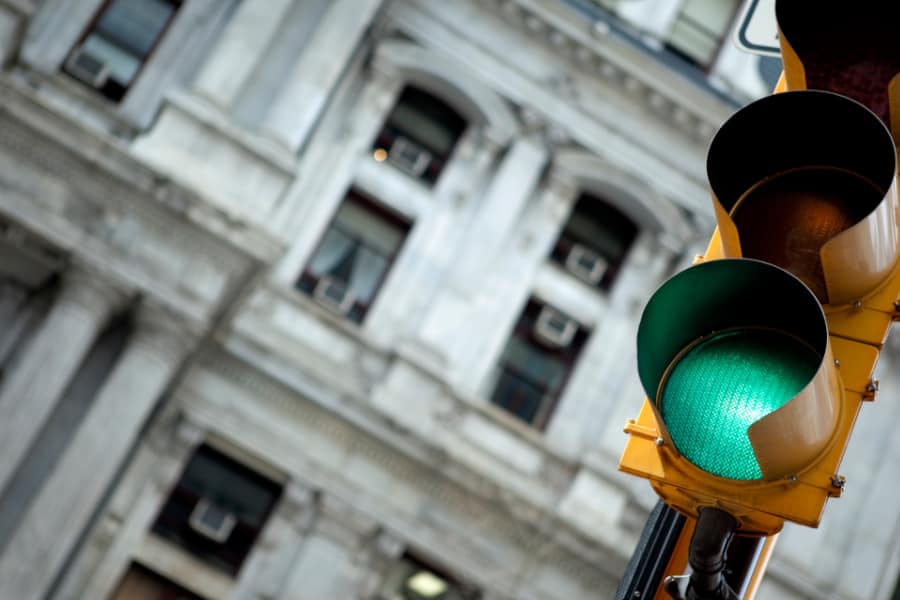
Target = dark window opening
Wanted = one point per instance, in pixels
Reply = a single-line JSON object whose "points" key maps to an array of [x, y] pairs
{"points": [[413, 579], [117, 44], [217, 509], [353, 259], [419, 135], [536, 363], [699, 29], [594, 242], [140, 583]]}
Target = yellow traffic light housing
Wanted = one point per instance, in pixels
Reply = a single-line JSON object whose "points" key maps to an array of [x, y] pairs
{"points": [[829, 45], [755, 366]]}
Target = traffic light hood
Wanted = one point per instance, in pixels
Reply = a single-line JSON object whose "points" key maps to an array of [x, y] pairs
{"points": [[806, 180], [853, 50], [735, 357]]}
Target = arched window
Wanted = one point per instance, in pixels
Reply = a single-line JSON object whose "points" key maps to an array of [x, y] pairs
{"points": [[419, 135], [595, 241]]}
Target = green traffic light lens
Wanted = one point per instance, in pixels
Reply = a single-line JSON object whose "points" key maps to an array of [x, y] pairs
{"points": [[724, 384]]}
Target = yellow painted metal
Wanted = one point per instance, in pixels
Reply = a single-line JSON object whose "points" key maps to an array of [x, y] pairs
{"points": [[863, 280], [759, 569], [824, 206], [762, 506], [678, 559], [795, 435]]}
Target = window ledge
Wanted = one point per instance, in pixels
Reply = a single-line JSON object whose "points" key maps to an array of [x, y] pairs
{"points": [[183, 568]]}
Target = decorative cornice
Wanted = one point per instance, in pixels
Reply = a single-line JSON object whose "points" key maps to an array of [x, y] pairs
{"points": [[651, 89]]}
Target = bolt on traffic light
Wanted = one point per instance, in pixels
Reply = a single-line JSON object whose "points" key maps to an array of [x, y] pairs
{"points": [[755, 361]]}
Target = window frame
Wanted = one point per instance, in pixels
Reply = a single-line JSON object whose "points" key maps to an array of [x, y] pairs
{"points": [[565, 244], [384, 141], [91, 29], [172, 521], [523, 330], [719, 40], [308, 281], [418, 564]]}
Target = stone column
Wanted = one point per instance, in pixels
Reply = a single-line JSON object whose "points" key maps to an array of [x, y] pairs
{"points": [[40, 376], [513, 184], [269, 566], [309, 86], [326, 566], [63, 508], [167, 447], [378, 557], [479, 251], [242, 45]]}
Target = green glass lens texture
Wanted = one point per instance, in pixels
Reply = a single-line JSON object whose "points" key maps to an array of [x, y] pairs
{"points": [[725, 384]]}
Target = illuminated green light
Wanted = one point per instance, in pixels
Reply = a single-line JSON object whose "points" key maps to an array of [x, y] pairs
{"points": [[723, 385]]}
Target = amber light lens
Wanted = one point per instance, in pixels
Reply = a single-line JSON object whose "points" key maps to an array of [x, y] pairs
{"points": [[786, 219]]}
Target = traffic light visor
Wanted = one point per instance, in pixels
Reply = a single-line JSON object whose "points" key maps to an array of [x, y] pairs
{"points": [[806, 181], [732, 354]]}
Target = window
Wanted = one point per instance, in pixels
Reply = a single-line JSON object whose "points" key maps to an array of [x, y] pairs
{"points": [[140, 583], [419, 135], [354, 256], [217, 509], [699, 29], [594, 242], [610, 5], [537, 362], [115, 47], [411, 579]]}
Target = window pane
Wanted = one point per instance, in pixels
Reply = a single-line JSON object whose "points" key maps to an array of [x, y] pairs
{"points": [[374, 231], [419, 135], [122, 65], [435, 135], [223, 491], [700, 27], [134, 25], [368, 269], [600, 228], [208, 476], [355, 253], [518, 395], [334, 257], [531, 374], [535, 363]]}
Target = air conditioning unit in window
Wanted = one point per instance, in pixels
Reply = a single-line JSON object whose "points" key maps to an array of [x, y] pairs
{"points": [[409, 156], [87, 67], [334, 295], [586, 264], [212, 522], [554, 329]]}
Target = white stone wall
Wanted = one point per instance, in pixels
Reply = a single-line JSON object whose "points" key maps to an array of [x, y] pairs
{"points": [[197, 201]]}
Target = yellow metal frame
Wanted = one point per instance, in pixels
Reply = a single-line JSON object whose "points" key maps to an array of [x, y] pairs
{"points": [[762, 506]]}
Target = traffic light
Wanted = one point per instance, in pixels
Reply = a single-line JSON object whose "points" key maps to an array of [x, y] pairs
{"points": [[756, 360], [851, 50]]}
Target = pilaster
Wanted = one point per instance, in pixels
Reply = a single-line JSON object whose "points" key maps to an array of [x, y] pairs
{"points": [[62, 509], [84, 305], [301, 102], [240, 49]]}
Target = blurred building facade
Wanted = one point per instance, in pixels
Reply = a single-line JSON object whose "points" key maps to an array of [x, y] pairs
{"points": [[332, 299]]}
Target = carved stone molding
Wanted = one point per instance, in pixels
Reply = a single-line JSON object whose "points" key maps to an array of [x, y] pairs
{"points": [[589, 58], [88, 289], [164, 334]]}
